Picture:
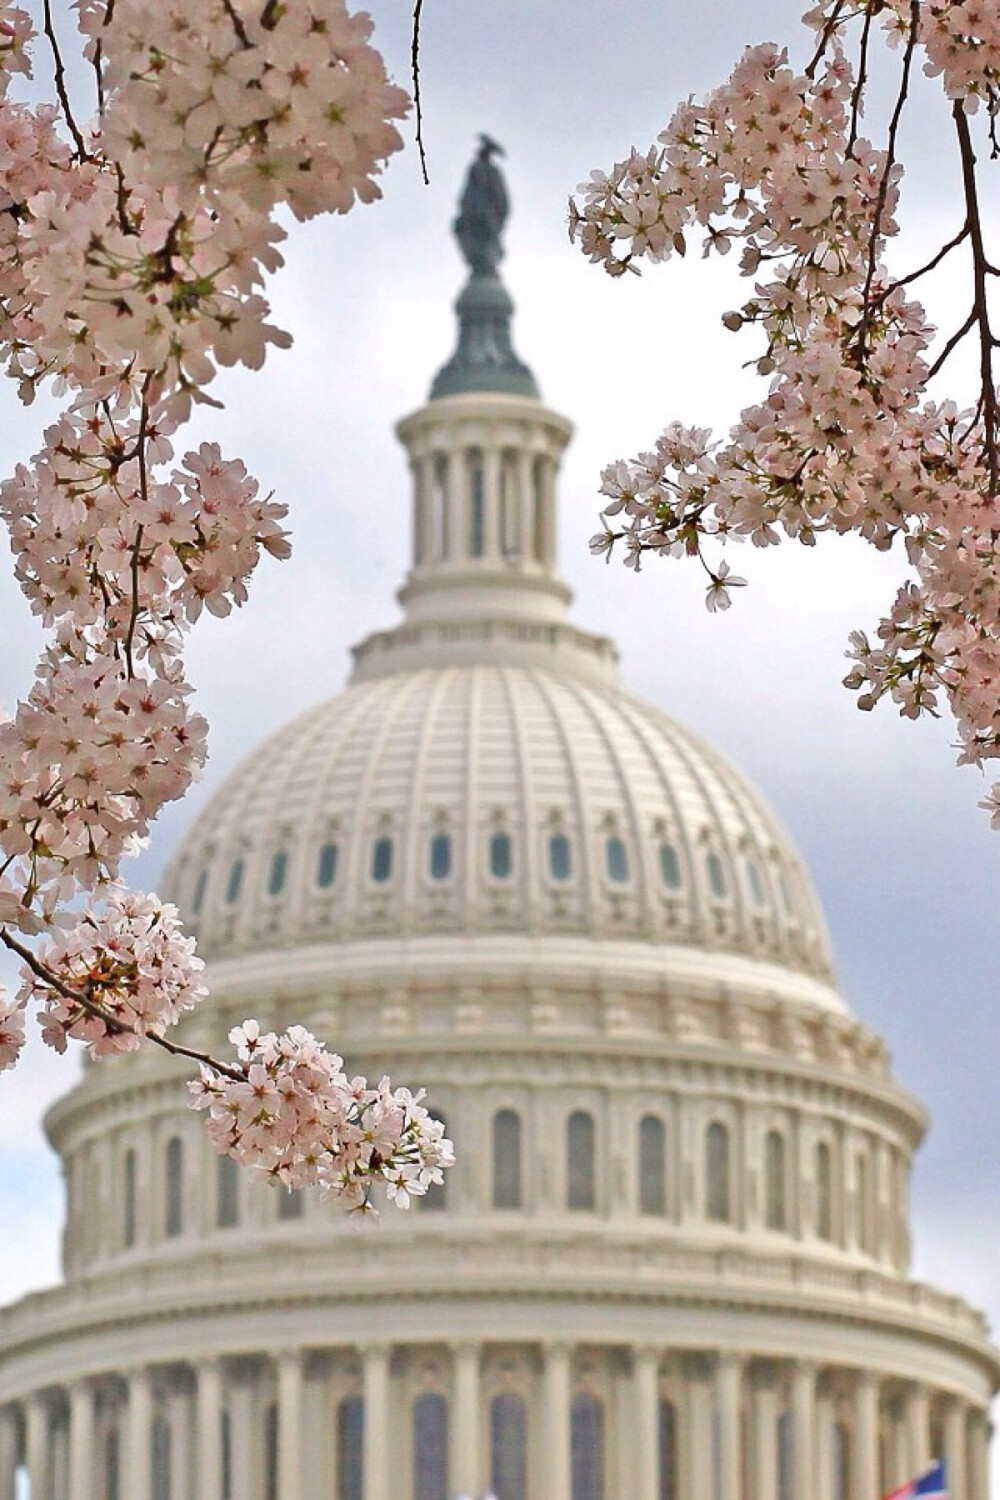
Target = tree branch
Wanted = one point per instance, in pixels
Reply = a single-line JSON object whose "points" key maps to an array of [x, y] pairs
{"points": [[981, 313], [418, 6], [59, 74]]}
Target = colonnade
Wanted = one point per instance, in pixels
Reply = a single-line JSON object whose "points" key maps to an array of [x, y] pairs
{"points": [[746, 1428]]}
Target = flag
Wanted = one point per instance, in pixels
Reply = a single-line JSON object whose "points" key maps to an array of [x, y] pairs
{"points": [[929, 1486]]}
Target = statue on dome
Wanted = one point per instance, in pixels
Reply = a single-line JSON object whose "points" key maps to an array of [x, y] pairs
{"points": [[482, 211]]}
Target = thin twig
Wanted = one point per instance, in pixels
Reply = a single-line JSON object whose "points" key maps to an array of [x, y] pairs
{"points": [[75, 997], [952, 344], [418, 6], [59, 73]]}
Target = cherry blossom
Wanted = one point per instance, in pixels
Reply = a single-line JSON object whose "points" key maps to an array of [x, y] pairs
{"points": [[847, 437], [134, 254], [289, 1112]]}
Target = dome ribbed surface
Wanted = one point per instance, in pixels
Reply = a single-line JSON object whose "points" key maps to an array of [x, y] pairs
{"points": [[615, 822]]}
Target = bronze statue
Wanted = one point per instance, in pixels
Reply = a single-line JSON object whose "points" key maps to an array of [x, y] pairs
{"points": [[482, 211]]}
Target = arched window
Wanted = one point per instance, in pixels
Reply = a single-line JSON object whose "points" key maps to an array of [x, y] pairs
{"points": [[718, 1207], [291, 1203], [382, 860], [775, 1178], [436, 1197], [716, 876], [174, 1196], [670, 868], [560, 857], [669, 1465], [351, 1448], [271, 1452], [586, 1446], [439, 863], [276, 873], [757, 893], [477, 506], [841, 1461], [616, 860], [235, 882], [160, 1454], [508, 1448], [824, 1192], [227, 1203], [198, 898], [430, 1447], [581, 1173], [326, 865], [129, 1185], [506, 1159], [652, 1165], [112, 1465], [501, 860]]}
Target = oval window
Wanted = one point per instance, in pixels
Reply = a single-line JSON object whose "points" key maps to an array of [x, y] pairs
{"points": [[560, 857], [326, 865], [616, 861], [501, 856], [382, 860], [235, 884], [276, 874], [757, 893], [716, 876], [670, 867], [440, 856]]}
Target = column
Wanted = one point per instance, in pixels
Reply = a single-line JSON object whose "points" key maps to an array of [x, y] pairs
{"points": [[244, 1448], [182, 1470], [825, 1418], [209, 1430], [8, 1452], [729, 1395], [375, 1368], [803, 1430], [764, 1439], [646, 1417], [138, 1445], [918, 1429], [701, 1448], [465, 1458], [865, 1446], [979, 1450], [955, 1450], [423, 518], [290, 1381], [37, 1448], [81, 1441], [556, 1403], [547, 505]]}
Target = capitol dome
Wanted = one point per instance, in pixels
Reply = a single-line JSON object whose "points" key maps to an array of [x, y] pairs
{"points": [[672, 1260]]}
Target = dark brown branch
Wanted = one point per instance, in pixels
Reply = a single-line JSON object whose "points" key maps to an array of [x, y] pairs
{"points": [[981, 270], [932, 264], [952, 344], [418, 6], [76, 997], [861, 81], [823, 43], [59, 74]]}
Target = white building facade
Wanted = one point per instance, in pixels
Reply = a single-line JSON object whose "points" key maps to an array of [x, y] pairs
{"points": [[672, 1260]]}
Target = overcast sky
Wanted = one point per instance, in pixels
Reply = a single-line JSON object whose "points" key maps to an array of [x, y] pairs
{"points": [[905, 863]]}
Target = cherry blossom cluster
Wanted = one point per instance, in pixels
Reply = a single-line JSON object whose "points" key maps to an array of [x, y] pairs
{"points": [[846, 438], [126, 970], [134, 249], [289, 1111]]}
